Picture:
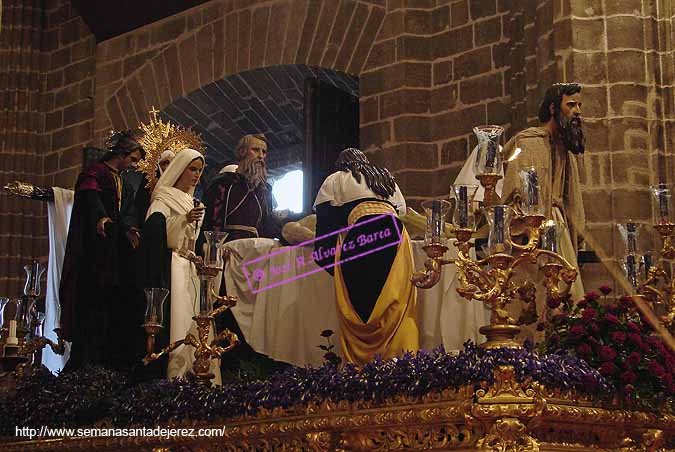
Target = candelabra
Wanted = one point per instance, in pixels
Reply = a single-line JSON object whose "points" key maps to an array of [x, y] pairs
{"points": [[491, 280], [651, 280], [205, 351], [22, 338]]}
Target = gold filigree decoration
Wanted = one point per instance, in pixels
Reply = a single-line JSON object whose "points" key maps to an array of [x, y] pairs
{"points": [[159, 136], [508, 435]]}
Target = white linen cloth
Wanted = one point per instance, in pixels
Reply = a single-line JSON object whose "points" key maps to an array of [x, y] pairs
{"points": [[58, 214], [285, 321]]}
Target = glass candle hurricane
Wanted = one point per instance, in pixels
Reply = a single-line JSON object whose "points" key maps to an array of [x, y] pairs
{"points": [[489, 159], [499, 238], [436, 211]]}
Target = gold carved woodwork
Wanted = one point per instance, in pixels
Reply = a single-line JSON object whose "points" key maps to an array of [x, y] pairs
{"points": [[506, 416]]}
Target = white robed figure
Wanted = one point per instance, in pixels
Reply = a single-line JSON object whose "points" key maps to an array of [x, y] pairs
{"points": [[173, 199]]}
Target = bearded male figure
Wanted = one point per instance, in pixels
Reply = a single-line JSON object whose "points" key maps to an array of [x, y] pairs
{"points": [[239, 200], [552, 148]]}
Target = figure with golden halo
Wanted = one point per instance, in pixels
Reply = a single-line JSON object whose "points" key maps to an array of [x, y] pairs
{"points": [[161, 140], [92, 317]]}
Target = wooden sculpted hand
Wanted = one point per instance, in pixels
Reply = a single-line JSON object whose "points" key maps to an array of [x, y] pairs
{"points": [[100, 226], [195, 214]]}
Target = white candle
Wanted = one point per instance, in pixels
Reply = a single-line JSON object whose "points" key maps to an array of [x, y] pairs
{"points": [[12, 339]]}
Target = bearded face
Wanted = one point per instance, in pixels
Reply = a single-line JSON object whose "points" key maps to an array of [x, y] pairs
{"points": [[571, 133], [254, 169]]}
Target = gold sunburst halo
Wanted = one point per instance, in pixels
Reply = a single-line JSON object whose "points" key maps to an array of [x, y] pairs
{"points": [[159, 136]]}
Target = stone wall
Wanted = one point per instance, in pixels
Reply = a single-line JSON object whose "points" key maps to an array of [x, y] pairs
{"points": [[429, 71], [623, 54], [22, 235]]}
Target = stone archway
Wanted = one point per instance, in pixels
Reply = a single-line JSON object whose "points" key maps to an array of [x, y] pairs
{"points": [[223, 41]]}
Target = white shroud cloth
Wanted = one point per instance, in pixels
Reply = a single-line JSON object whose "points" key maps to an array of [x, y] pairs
{"points": [[285, 322], [59, 220]]}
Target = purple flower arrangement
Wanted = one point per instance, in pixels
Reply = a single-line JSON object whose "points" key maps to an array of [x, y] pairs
{"points": [[93, 395]]}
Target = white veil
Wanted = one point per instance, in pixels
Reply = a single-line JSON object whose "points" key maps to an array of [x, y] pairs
{"points": [[165, 191]]}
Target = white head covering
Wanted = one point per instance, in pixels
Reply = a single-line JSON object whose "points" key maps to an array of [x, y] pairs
{"points": [[166, 154], [166, 192]]}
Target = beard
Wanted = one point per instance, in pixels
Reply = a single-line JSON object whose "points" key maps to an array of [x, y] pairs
{"points": [[254, 171], [571, 134]]}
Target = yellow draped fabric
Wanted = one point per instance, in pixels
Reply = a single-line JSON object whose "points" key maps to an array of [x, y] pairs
{"points": [[392, 327]]}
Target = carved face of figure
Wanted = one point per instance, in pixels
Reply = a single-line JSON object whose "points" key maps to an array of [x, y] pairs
{"points": [[253, 166], [130, 161], [568, 119], [256, 149], [191, 175], [165, 162]]}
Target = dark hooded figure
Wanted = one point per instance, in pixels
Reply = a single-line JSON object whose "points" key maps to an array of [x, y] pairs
{"points": [[94, 317], [370, 259]]}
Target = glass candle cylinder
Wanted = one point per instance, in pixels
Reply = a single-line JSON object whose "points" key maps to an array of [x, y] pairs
{"points": [[662, 204], [463, 196], [34, 273], [154, 308], [14, 316], [435, 211], [549, 236], [213, 248], [629, 235], [629, 264], [489, 158], [646, 264], [499, 238], [531, 199]]}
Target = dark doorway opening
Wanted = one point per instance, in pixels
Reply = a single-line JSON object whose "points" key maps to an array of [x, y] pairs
{"points": [[331, 125]]}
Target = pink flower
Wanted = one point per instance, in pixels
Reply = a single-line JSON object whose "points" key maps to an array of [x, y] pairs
{"points": [[584, 350], [629, 377], [577, 330], [607, 353], [591, 296], [594, 327], [589, 314], [605, 289], [618, 336], [633, 359], [635, 338], [608, 368], [634, 327], [582, 304], [611, 318], [656, 369]]}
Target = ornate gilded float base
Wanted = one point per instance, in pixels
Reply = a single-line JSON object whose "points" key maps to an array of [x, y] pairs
{"points": [[505, 416]]}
